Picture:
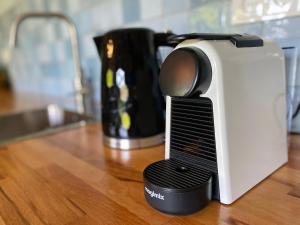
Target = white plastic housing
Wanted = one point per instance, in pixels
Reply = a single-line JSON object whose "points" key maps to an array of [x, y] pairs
{"points": [[248, 96]]}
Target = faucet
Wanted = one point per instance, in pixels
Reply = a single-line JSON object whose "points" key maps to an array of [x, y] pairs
{"points": [[80, 91]]}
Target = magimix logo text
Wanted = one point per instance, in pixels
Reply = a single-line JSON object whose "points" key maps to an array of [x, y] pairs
{"points": [[154, 195]]}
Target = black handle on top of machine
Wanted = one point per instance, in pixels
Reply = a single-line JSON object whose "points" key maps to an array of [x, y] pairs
{"points": [[239, 40], [162, 39]]}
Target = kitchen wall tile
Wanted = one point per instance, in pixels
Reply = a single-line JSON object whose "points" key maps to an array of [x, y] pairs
{"points": [[49, 85], [30, 52], [23, 74], [59, 51], [67, 87], [68, 69], [58, 30], [24, 39], [37, 5], [54, 6], [82, 22], [63, 6], [49, 32], [54, 52], [164, 52], [73, 6], [178, 23], [53, 70], [196, 3], [171, 6], [151, 9], [131, 10], [64, 32], [76, 6], [3, 35], [36, 73], [44, 70], [23, 6], [207, 18], [2, 44], [88, 48], [68, 49], [43, 54], [14, 71], [106, 16], [139, 23], [154, 24], [283, 28], [47, 5]]}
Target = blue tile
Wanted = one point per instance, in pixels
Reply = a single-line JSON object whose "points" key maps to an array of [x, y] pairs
{"points": [[155, 24], [68, 69], [131, 10], [43, 54], [55, 70], [283, 28], [54, 52], [83, 22], [106, 15], [68, 49], [87, 46], [171, 6], [66, 87], [195, 3]]}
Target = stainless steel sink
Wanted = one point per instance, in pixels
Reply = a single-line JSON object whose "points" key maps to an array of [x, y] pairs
{"points": [[38, 122]]}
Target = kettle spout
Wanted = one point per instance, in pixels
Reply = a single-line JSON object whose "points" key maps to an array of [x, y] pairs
{"points": [[98, 42]]}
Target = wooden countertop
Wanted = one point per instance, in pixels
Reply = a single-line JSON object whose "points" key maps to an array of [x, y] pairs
{"points": [[71, 178]]}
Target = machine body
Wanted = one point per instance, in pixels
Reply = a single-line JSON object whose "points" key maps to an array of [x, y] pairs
{"points": [[226, 115]]}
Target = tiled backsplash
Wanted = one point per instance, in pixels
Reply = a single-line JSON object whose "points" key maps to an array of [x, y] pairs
{"points": [[43, 62]]}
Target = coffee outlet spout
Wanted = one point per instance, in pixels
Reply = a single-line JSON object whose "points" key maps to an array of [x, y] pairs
{"points": [[175, 187], [214, 85]]}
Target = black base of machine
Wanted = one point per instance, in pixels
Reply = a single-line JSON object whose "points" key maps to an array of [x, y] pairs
{"points": [[175, 187]]}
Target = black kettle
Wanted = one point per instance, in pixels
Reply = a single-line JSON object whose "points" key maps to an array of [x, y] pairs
{"points": [[133, 107]]}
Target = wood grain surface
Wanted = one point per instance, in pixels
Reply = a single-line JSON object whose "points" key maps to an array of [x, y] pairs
{"points": [[71, 178]]}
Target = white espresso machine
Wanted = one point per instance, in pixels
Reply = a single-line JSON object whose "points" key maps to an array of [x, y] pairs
{"points": [[225, 121]]}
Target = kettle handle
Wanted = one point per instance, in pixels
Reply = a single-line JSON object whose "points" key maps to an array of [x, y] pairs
{"points": [[162, 39]]}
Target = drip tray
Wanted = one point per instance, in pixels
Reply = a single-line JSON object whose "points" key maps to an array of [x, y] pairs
{"points": [[176, 187]]}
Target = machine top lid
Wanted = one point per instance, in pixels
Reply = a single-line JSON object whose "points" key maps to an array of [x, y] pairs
{"points": [[239, 40]]}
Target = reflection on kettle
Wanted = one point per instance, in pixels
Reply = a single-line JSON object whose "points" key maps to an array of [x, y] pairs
{"points": [[132, 104]]}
